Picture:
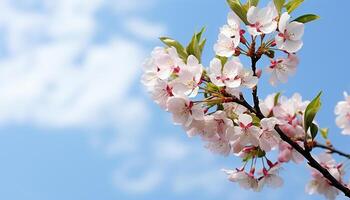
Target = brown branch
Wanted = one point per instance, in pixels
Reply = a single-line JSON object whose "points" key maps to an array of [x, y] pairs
{"points": [[331, 150], [313, 163]]}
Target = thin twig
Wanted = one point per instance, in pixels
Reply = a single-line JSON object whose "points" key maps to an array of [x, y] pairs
{"points": [[331, 149]]}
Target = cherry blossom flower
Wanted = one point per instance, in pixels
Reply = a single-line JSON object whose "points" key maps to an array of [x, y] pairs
{"points": [[219, 146], [245, 180], [229, 37], [342, 110], [184, 110], [244, 134], [204, 128], [280, 69], [270, 177], [267, 105], [262, 21], [321, 185], [162, 64], [290, 34], [247, 78], [288, 153], [233, 110], [161, 92], [220, 143], [269, 138], [189, 77], [290, 113], [227, 75]]}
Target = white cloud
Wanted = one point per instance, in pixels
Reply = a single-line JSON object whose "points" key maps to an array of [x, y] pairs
{"points": [[124, 6], [133, 178], [144, 29], [55, 75]]}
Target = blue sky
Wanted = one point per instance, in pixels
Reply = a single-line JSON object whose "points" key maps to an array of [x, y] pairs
{"points": [[76, 123]]}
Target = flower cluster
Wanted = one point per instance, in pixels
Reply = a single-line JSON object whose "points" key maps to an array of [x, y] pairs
{"points": [[321, 185], [342, 110], [209, 102]]}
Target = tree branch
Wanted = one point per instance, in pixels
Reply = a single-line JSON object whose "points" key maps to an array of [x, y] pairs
{"points": [[313, 163], [331, 149], [306, 154]]}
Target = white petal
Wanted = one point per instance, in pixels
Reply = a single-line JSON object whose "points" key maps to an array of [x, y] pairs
{"points": [[245, 119], [233, 20], [252, 15], [215, 67], [295, 30], [293, 46], [192, 61], [269, 28], [283, 22]]}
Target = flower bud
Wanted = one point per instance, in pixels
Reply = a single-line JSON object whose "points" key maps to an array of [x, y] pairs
{"points": [[237, 52], [258, 73], [273, 44]]}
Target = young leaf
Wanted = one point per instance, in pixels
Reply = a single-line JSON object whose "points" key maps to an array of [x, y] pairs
{"points": [[324, 133], [195, 47], [237, 8], [250, 3], [201, 45], [306, 18], [292, 5], [279, 5], [311, 111], [276, 99], [223, 60], [313, 130], [173, 43]]}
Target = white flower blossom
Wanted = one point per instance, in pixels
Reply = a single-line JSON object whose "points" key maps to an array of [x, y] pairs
{"points": [[290, 34], [342, 110], [281, 69], [184, 111], [262, 21]]}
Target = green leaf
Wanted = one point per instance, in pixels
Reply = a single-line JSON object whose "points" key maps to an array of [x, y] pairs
{"points": [[307, 18], [237, 8], [292, 5], [212, 87], [279, 5], [253, 3], [270, 53], [173, 43], [313, 130], [223, 60], [201, 46], [277, 97], [324, 133], [196, 46], [250, 3], [311, 111], [256, 120]]}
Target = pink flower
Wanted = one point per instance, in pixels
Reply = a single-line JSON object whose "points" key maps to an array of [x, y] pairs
{"points": [[269, 138], [271, 178], [342, 110], [244, 179], [288, 153], [289, 38], [321, 185], [281, 69], [244, 134], [184, 111]]}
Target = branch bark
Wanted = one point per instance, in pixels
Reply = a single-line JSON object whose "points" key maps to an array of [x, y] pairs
{"points": [[331, 149]]}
